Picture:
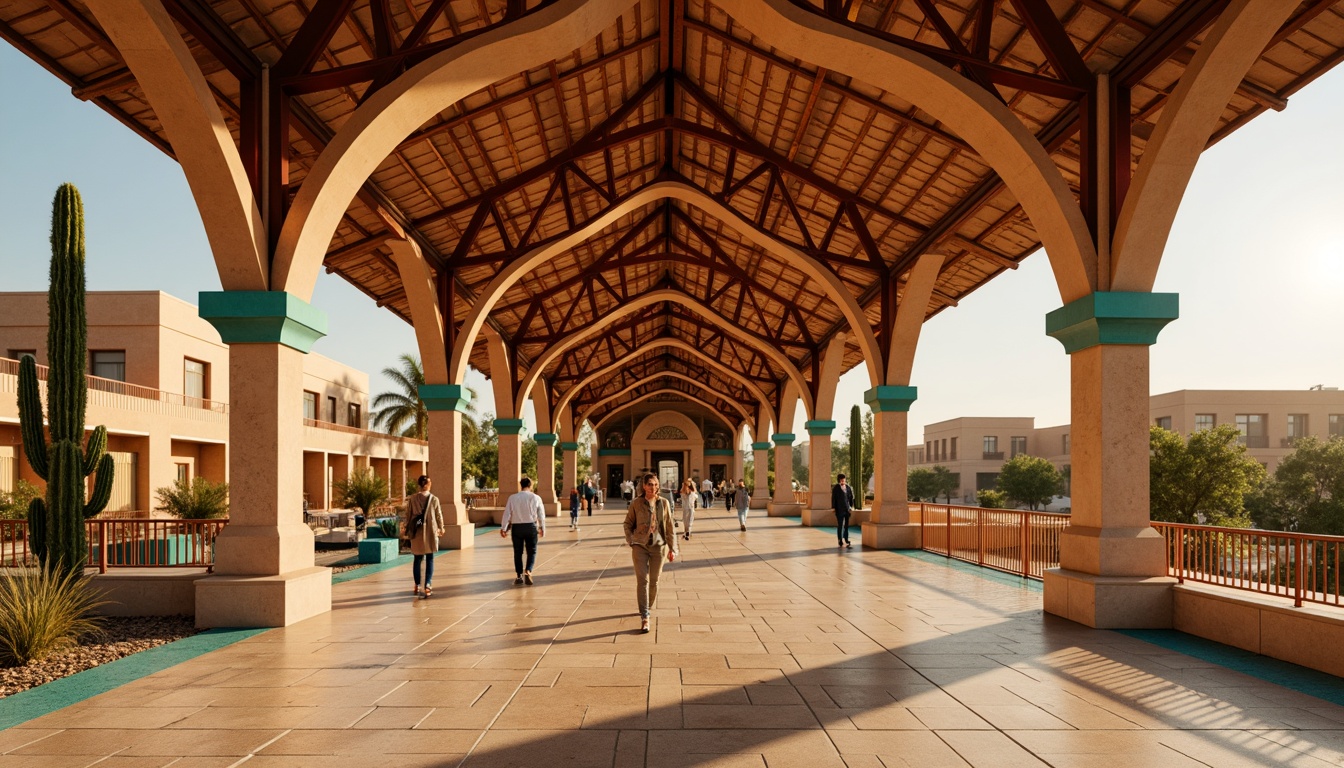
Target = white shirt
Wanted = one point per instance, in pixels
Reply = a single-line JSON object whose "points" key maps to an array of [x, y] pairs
{"points": [[524, 507], [707, 486]]}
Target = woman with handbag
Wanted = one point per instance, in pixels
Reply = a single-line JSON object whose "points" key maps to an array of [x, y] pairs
{"points": [[650, 534], [424, 526]]}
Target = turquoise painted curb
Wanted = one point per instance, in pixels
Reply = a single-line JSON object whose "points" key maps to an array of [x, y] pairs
{"points": [[818, 428], [718, 452], [765, 446], [546, 438], [783, 438], [263, 317], [444, 397], [569, 446], [1112, 318], [889, 399], [508, 426], [59, 694]]}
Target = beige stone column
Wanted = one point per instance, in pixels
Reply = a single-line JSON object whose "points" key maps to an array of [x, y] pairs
{"points": [[888, 525], [818, 510], [783, 504], [1113, 567], [739, 461], [570, 457], [264, 573], [510, 455], [760, 494], [446, 403], [545, 484]]}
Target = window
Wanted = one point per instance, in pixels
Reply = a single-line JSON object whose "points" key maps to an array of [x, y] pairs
{"points": [[184, 473], [1252, 429], [942, 449], [928, 451], [1297, 428], [1067, 446], [1017, 445], [1336, 424], [109, 364], [310, 406], [991, 448], [331, 409], [954, 449], [354, 415], [17, 354], [1204, 421], [1164, 422], [195, 379]]}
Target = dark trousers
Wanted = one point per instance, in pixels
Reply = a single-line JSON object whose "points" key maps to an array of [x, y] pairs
{"points": [[589, 500], [429, 569], [842, 527], [524, 535]]}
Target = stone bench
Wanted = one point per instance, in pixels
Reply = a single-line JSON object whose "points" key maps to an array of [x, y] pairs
{"points": [[377, 550]]}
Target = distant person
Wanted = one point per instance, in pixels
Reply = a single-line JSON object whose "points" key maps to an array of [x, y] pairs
{"points": [[589, 493], [842, 501], [650, 534], [424, 526], [525, 517], [690, 499], [707, 493], [575, 502], [741, 502], [628, 491], [728, 491]]}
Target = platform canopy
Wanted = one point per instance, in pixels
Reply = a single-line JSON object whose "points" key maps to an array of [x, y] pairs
{"points": [[682, 165]]}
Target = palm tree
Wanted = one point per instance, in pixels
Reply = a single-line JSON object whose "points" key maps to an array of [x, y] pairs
{"points": [[404, 412]]}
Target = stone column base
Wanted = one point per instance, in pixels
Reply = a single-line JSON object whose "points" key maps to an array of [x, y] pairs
{"points": [[263, 601], [784, 509], [1110, 602], [458, 537], [761, 502], [815, 517], [892, 536], [552, 508]]}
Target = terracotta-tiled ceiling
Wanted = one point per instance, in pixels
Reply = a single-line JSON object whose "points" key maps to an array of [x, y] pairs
{"points": [[852, 175]]}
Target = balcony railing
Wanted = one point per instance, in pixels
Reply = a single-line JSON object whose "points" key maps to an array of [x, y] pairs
{"points": [[126, 544], [97, 384], [1302, 566], [992, 456], [315, 423], [1016, 541]]}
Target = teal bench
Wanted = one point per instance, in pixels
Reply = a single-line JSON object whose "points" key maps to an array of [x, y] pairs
{"points": [[377, 550]]}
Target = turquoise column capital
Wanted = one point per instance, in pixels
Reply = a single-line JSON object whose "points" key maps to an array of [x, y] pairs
{"points": [[263, 317], [1112, 317], [569, 446], [508, 426], [888, 398], [783, 438], [444, 397], [818, 428], [765, 446], [546, 438]]}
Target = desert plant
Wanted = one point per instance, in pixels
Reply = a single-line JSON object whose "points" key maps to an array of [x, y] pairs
{"points": [[56, 524], [363, 489], [199, 499], [44, 611], [14, 504], [388, 526], [856, 454]]}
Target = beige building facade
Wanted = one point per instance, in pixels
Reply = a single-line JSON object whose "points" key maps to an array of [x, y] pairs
{"points": [[159, 381], [1270, 422]]}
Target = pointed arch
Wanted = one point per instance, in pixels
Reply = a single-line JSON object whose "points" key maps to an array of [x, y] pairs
{"points": [[644, 397]]}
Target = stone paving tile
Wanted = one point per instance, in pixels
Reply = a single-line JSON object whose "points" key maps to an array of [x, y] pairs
{"points": [[769, 649]]}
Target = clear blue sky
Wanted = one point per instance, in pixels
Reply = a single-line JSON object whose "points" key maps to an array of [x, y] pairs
{"points": [[1257, 256]]}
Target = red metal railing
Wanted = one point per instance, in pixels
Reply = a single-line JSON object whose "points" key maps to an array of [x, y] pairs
{"points": [[482, 498], [127, 544], [1302, 566], [11, 368], [1016, 541]]}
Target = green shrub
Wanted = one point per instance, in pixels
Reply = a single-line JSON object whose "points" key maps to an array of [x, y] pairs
{"points": [[412, 487], [389, 527], [198, 500], [363, 489], [992, 499], [14, 504], [44, 612]]}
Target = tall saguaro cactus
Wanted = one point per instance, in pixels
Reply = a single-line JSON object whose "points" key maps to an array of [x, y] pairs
{"points": [[856, 454], [56, 524]]}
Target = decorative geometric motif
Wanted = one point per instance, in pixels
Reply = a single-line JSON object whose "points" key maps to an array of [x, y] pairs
{"points": [[667, 433]]}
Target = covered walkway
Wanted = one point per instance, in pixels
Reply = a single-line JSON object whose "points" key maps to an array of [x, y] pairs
{"points": [[770, 647]]}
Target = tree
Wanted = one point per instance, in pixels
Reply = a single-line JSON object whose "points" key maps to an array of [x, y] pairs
{"points": [[801, 472], [1307, 491], [403, 412], [991, 499], [856, 454], [198, 500], [921, 485], [945, 481], [1029, 480], [480, 453], [866, 456], [1204, 480], [364, 488]]}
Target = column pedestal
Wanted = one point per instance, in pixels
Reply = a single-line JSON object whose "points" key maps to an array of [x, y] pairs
{"points": [[760, 493], [445, 403], [888, 525]]}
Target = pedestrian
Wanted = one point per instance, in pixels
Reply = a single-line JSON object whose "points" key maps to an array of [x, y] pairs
{"points": [[728, 491], [589, 493], [526, 518], [628, 491], [424, 526], [707, 493], [842, 501], [741, 501], [689, 501], [574, 504], [650, 534]]}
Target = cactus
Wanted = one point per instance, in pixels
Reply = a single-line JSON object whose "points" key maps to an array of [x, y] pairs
{"points": [[856, 455], [56, 526]]}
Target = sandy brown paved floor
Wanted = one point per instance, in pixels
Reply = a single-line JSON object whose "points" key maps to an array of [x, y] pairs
{"points": [[771, 648]]}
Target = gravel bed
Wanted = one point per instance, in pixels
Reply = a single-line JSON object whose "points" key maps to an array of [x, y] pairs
{"points": [[122, 636]]}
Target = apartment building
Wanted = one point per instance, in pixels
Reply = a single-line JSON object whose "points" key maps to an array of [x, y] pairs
{"points": [[159, 381], [1270, 422]]}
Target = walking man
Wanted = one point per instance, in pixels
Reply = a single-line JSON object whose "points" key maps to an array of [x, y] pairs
{"points": [[589, 493], [525, 516], [707, 493], [741, 501], [842, 501]]}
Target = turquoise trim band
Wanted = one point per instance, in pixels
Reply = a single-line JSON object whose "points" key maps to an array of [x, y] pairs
{"points": [[508, 426], [718, 452], [613, 451], [890, 399], [820, 428], [445, 397], [569, 446], [263, 317], [546, 438], [783, 438], [761, 446], [1112, 318]]}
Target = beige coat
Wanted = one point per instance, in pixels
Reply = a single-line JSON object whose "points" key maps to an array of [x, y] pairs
{"points": [[641, 518], [427, 542]]}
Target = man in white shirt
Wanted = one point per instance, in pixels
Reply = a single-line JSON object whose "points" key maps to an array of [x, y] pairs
{"points": [[526, 518], [707, 493]]}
